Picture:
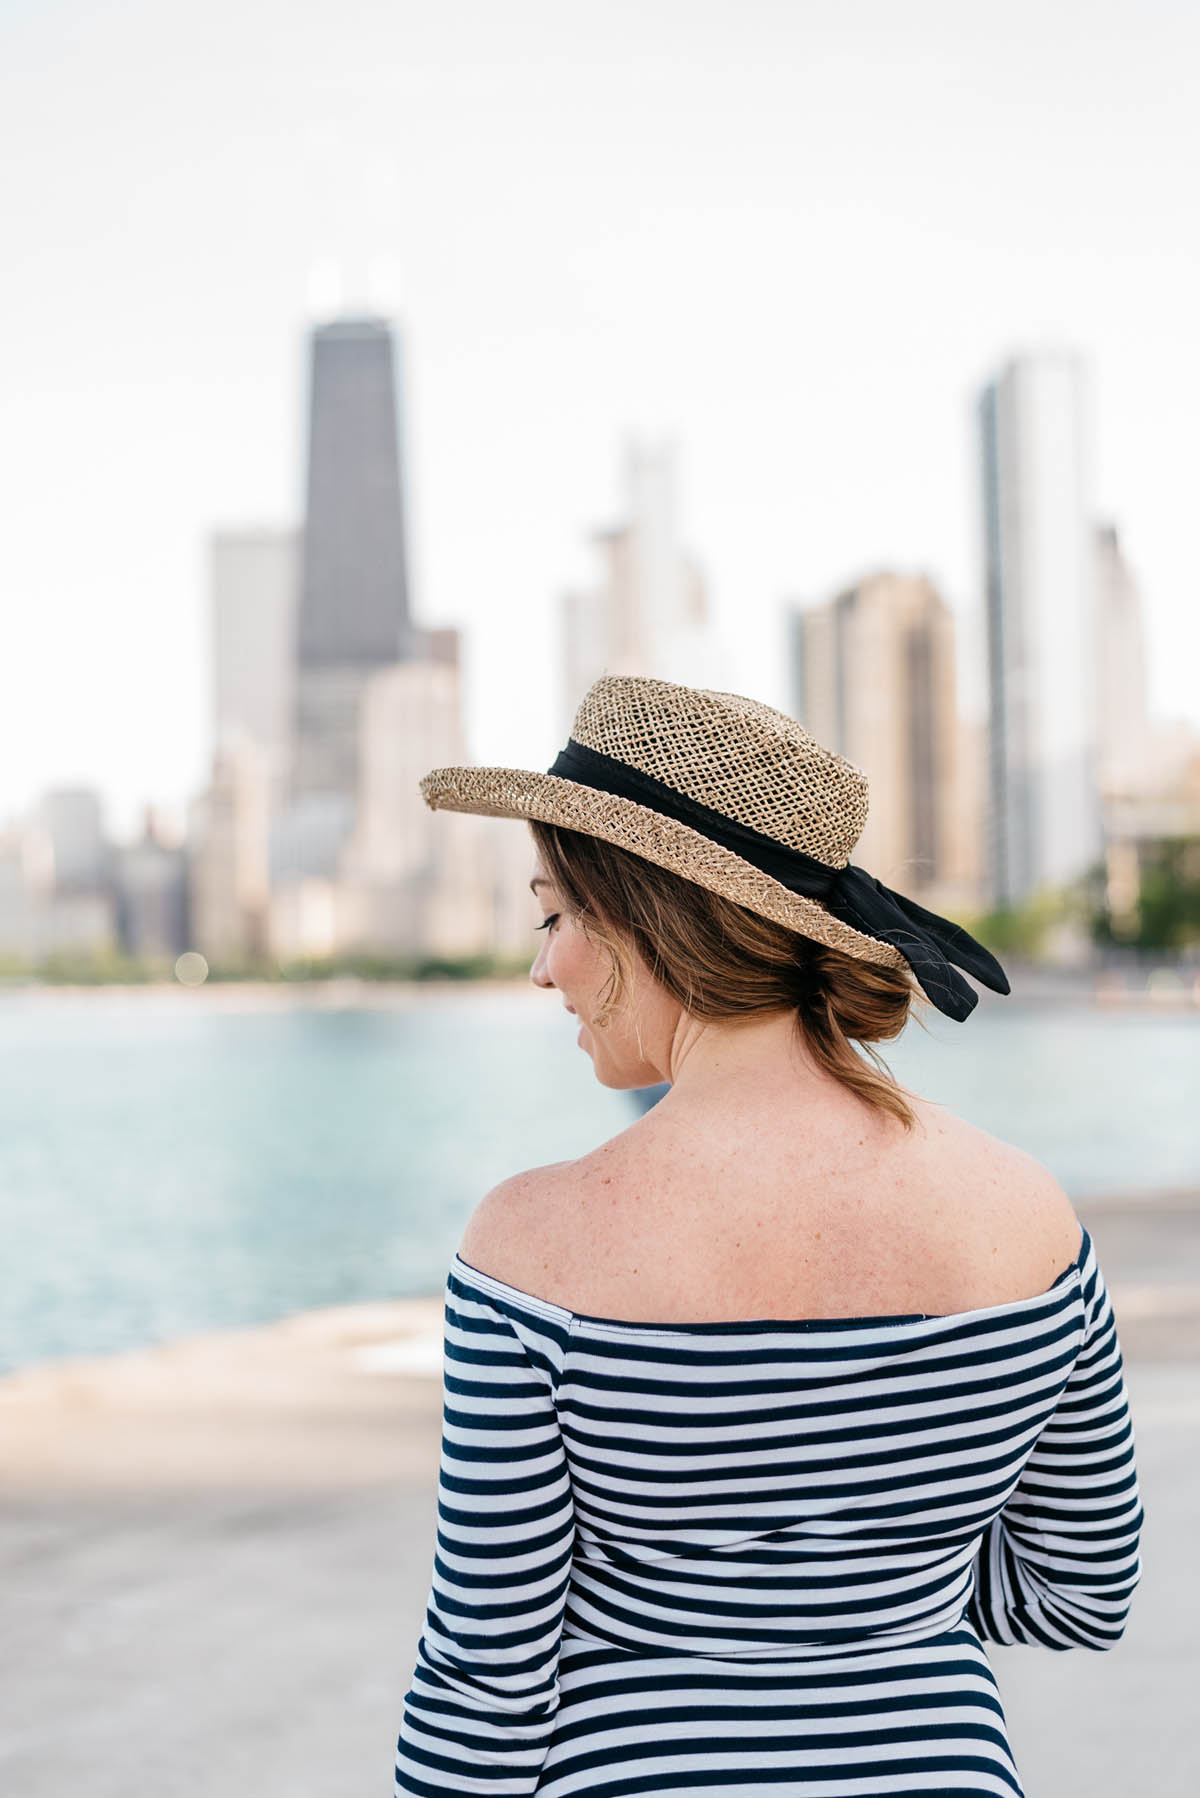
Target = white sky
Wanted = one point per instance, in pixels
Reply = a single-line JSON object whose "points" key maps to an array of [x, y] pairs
{"points": [[794, 236]]}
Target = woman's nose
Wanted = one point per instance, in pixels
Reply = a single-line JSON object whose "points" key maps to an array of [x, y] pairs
{"points": [[537, 972]]}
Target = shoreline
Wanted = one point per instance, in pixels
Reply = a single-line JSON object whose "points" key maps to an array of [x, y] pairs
{"points": [[335, 1398], [334, 993], [1165, 989]]}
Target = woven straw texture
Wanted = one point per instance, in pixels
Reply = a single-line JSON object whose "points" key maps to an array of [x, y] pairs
{"points": [[746, 760]]}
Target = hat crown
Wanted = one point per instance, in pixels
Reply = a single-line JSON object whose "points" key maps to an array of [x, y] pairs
{"points": [[743, 758]]}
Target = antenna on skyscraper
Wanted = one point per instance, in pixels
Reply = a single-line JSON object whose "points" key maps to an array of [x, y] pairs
{"points": [[325, 286]]}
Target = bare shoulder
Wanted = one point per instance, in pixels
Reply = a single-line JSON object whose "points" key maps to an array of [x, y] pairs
{"points": [[506, 1234], [543, 1230], [1021, 1197]]}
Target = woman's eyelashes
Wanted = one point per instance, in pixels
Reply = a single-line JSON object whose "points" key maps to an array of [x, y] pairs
{"points": [[548, 922]]}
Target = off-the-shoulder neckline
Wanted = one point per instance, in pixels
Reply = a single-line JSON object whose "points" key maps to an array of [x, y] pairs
{"points": [[549, 1307]]}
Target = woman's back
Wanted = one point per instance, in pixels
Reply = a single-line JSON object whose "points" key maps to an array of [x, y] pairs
{"points": [[738, 1210], [680, 1556]]}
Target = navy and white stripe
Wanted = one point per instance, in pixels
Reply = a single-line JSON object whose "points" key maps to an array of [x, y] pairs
{"points": [[743, 1556]]}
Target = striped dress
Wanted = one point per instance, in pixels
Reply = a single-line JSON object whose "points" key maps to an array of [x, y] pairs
{"points": [[762, 1558]]}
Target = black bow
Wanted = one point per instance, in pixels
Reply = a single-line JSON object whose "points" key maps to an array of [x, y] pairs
{"points": [[933, 947]]}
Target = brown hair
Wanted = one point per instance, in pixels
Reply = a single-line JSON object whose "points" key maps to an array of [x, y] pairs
{"points": [[720, 960]]}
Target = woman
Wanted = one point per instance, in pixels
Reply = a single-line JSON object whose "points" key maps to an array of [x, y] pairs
{"points": [[764, 1415]]}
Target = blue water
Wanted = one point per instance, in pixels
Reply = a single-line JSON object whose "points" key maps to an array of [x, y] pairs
{"points": [[173, 1162]]}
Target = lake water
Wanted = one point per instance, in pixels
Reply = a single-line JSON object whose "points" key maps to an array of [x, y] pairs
{"points": [[174, 1161]]}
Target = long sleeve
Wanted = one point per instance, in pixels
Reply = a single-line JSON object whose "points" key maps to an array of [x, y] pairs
{"points": [[479, 1713], [1059, 1564]]}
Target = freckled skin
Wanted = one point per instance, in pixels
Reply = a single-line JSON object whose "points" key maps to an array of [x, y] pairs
{"points": [[758, 1186]]}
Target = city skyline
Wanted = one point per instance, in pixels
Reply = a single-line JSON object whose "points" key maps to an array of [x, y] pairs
{"points": [[798, 258], [250, 564], [304, 617], [310, 839]]}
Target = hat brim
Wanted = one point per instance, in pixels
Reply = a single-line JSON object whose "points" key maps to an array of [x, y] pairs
{"points": [[524, 793]]}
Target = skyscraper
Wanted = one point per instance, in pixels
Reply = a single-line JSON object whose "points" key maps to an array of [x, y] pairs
{"points": [[229, 834], [73, 822], [874, 673], [1121, 722], [649, 615], [1044, 820], [254, 581], [354, 606]]}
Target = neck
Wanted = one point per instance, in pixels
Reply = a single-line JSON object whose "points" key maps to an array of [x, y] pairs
{"points": [[763, 1051]]}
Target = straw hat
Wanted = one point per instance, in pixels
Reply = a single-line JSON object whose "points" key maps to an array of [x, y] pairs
{"points": [[738, 797]]}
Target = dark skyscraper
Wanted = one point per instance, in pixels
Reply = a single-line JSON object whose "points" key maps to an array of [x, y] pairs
{"points": [[353, 617], [354, 609], [354, 594]]}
